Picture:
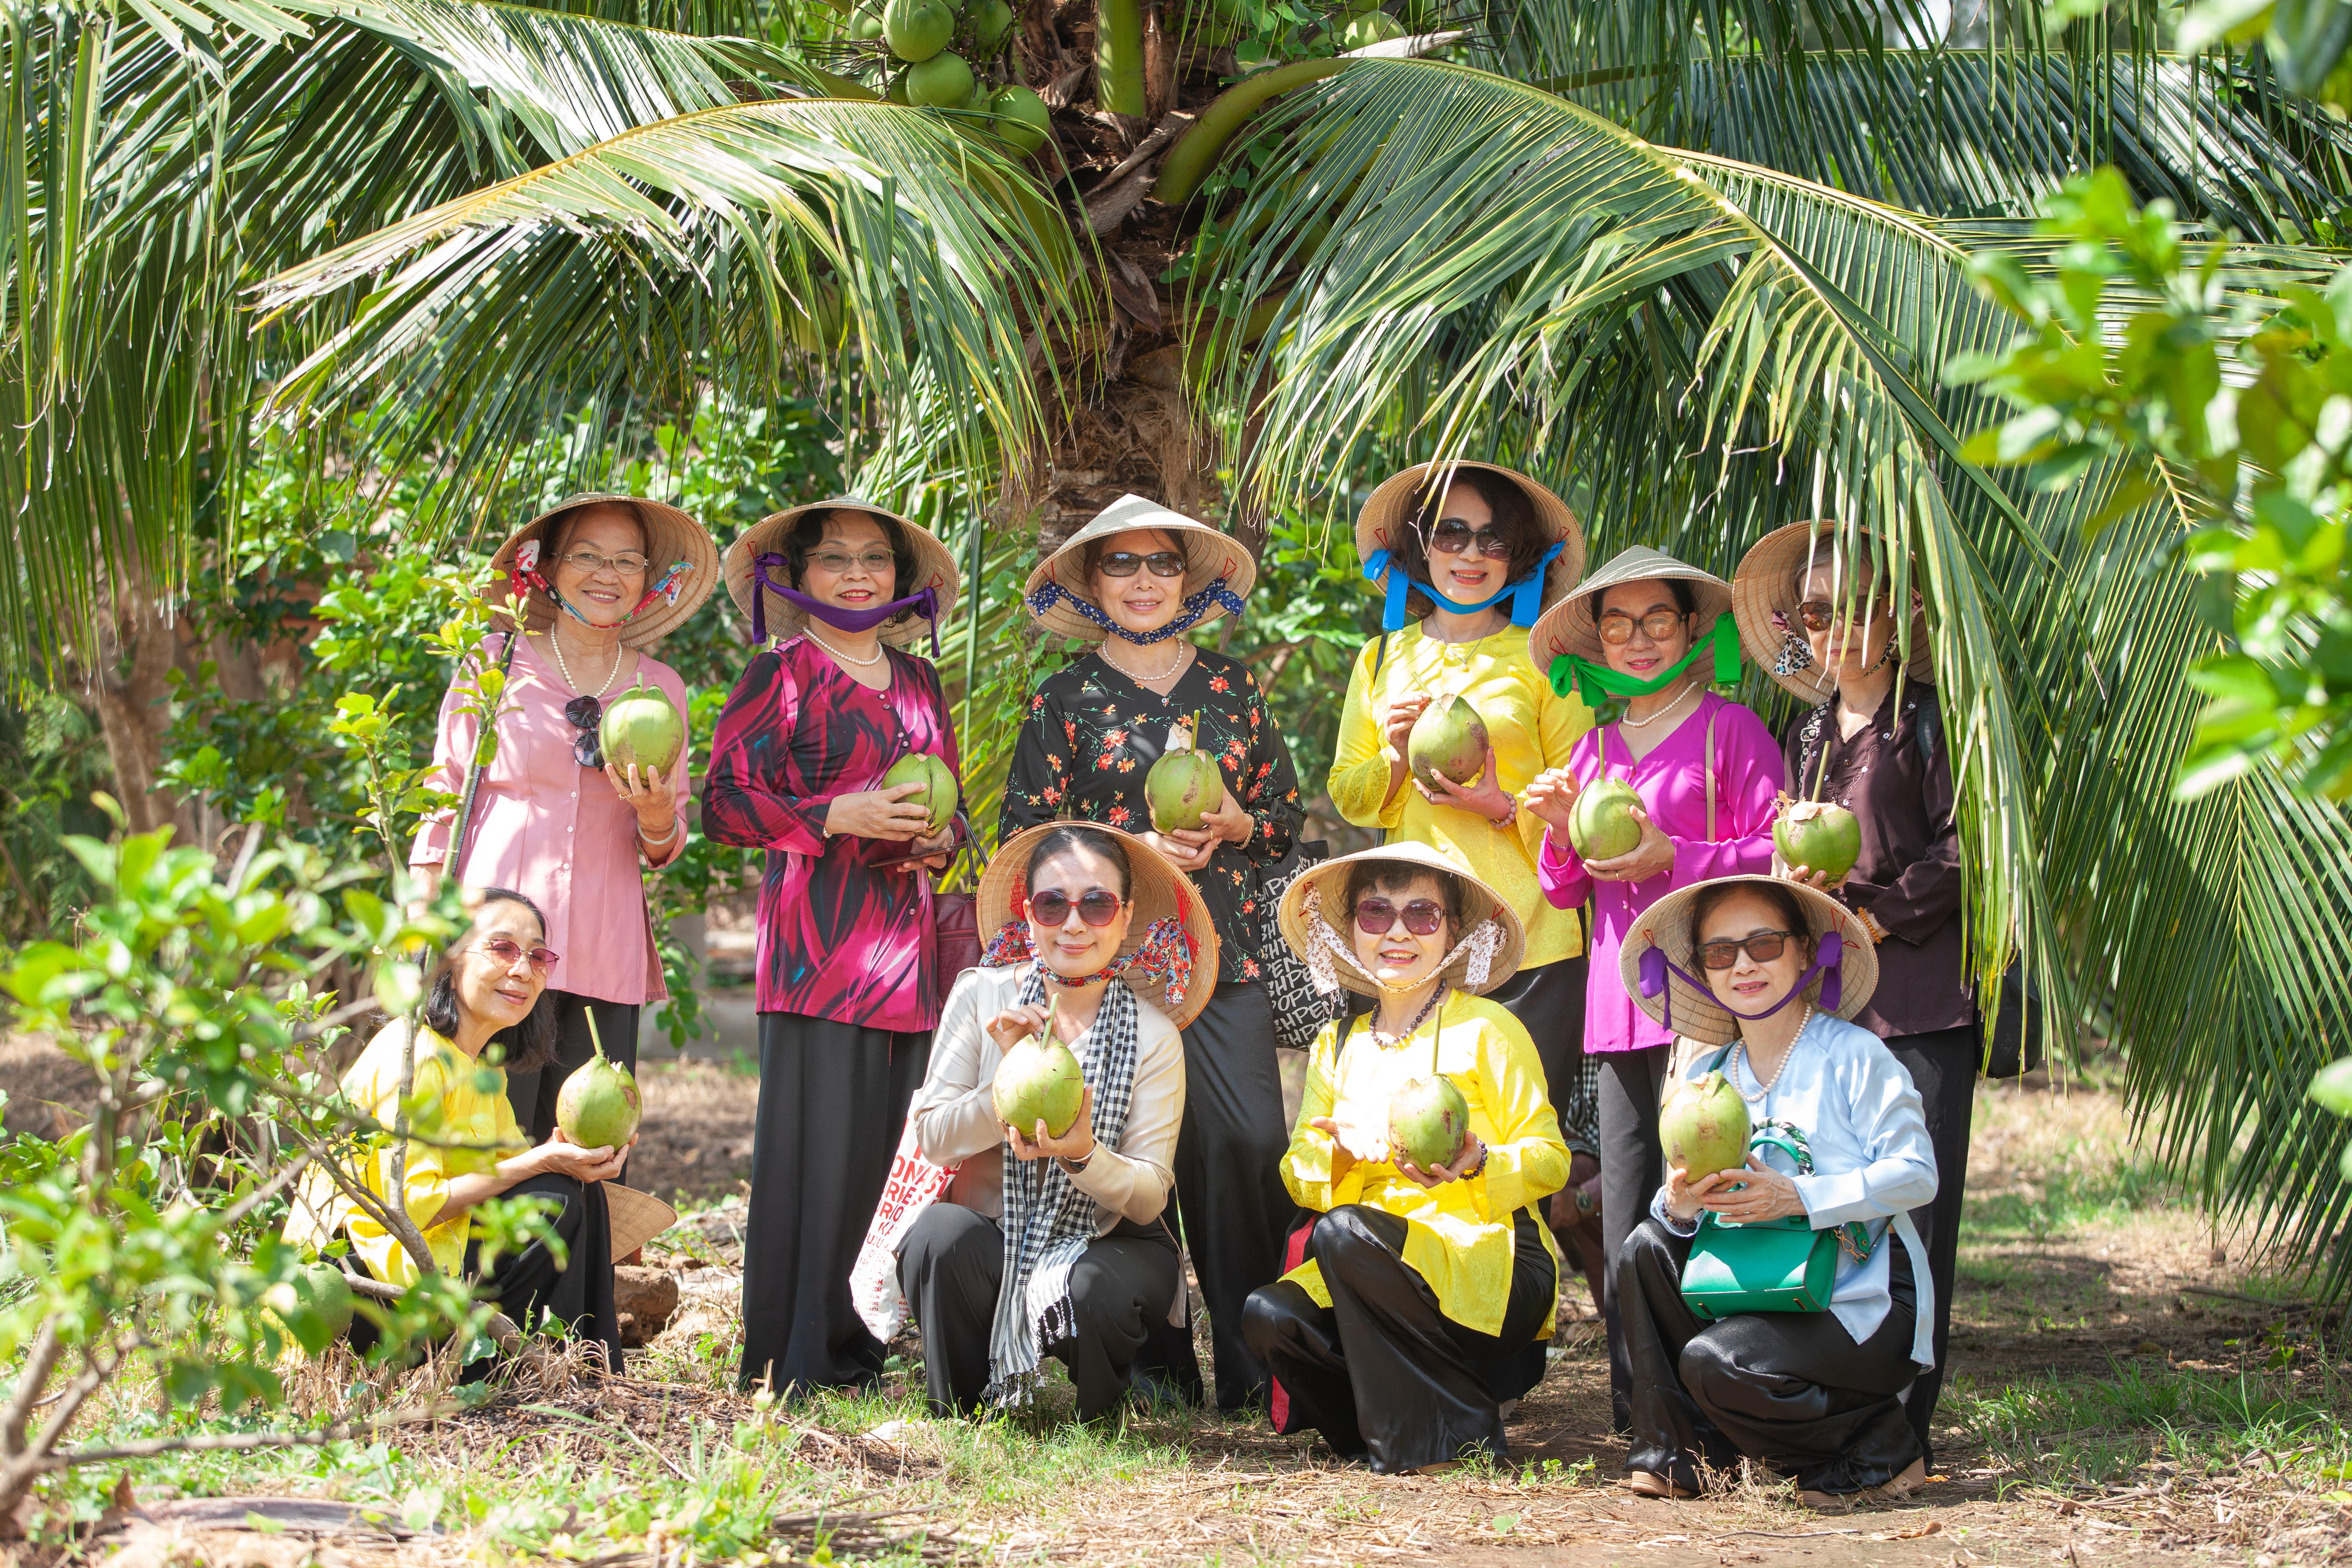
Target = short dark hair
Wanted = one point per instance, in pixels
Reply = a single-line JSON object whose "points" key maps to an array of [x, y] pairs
{"points": [[1515, 519], [529, 1045], [1395, 877], [1070, 835], [807, 532], [1781, 896]]}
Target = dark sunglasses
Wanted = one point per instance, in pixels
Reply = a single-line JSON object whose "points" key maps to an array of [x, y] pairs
{"points": [[1097, 908], [505, 952], [584, 714], [1422, 917], [1820, 614], [1763, 946], [1452, 538], [1617, 627], [1126, 562]]}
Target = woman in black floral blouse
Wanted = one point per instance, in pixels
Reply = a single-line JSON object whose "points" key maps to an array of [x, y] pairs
{"points": [[1135, 581]]}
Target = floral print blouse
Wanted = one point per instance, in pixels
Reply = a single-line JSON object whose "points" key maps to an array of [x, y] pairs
{"points": [[1091, 736]]}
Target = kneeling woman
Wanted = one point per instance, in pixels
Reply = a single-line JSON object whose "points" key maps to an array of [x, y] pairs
{"points": [[495, 986], [1769, 971], [1421, 1286], [1051, 1245]]}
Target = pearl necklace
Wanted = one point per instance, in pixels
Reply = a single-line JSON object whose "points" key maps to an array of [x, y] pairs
{"points": [[1183, 657], [881, 651], [1750, 1061], [556, 643], [1645, 723]]}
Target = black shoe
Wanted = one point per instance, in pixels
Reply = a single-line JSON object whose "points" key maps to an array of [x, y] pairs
{"points": [[1153, 1390]]}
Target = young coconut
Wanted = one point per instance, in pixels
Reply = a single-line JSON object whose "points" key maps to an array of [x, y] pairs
{"points": [[1818, 836], [1702, 1126], [939, 795], [1601, 825], [1039, 1080], [1185, 784], [642, 726], [598, 1106], [1448, 739], [1428, 1120], [317, 1299]]}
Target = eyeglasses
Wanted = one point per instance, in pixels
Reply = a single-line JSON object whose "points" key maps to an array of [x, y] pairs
{"points": [[1422, 917], [1617, 627], [876, 561], [1821, 615], [1763, 946], [1453, 538], [584, 714], [627, 563], [505, 952], [1126, 562], [1098, 907]]}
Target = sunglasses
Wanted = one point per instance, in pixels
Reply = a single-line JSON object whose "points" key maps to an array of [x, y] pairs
{"points": [[1126, 562], [1097, 908], [1422, 917], [1820, 614], [505, 952], [1452, 538], [584, 714], [1617, 627], [876, 561], [1763, 946]]}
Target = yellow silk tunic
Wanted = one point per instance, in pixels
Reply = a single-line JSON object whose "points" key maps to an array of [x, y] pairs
{"points": [[1457, 1234], [462, 1106], [1532, 728]]}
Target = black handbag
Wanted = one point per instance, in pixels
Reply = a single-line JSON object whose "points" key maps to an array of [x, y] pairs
{"points": [[1299, 1010], [2016, 1046]]}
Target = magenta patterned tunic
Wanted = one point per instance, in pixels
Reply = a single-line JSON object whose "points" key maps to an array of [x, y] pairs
{"points": [[838, 939]]}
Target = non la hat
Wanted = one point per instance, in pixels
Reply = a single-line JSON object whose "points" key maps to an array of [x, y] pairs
{"points": [[1322, 888], [935, 568], [671, 536], [636, 1217], [1573, 625], [1766, 587], [1691, 1010], [1157, 888], [1396, 501], [1210, 554]]}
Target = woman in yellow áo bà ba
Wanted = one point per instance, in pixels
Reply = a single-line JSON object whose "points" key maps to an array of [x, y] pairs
{"points": [[1406, 1327]]}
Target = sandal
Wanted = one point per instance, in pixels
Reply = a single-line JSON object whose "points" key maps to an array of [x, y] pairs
{"points": [[1644, 1483], [1914, 1476]]}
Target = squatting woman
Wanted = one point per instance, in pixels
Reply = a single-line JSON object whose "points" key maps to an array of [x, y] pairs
{"points": [[847, 954], [1816, 610], [596, 579], [1649, 629], [1135, 582], [1049, 1245], [1767, 972], [1405, 1329]]}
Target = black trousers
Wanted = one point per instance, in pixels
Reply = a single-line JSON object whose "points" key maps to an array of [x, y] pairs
{"points": [[833, 1099], [531, 1285], [951, 1266], [1789, 1389], [1632, 1163], [1943, 1067], [1383, 1370], [533, 1094], [1230, 1202]]}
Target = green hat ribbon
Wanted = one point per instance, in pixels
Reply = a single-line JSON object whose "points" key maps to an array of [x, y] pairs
{"points": [[1597, 683]]}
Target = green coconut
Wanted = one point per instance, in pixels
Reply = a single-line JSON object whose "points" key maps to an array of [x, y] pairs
{"points": [[1022, 122], [642, 726], [1039, 1080], [939, 795], [1185, 784], [942, 81], [1601, 825], [866, 25], [917, 29], [317, 1299], [987, 22], [1448, 739], [1702, 1126], [598, 1106], [1372, 28], [1818, 836], [1428, 1120]]}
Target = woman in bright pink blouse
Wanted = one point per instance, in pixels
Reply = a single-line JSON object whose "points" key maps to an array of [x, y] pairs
{"points": [[1649, 629], [847, 961]]}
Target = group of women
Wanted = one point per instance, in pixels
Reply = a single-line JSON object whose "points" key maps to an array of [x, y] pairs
{"points": [[1399, 1311]]}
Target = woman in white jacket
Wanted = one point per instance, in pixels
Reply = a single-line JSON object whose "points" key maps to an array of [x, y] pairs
{"points": [[1767, 971], [1045, 1244]]}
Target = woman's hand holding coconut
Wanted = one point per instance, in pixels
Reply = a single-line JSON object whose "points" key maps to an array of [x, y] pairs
{"points": [[1076, 1143], [1484, 798], [1653, 856], [886, 814], [1743, 1197], [1191, 847]]}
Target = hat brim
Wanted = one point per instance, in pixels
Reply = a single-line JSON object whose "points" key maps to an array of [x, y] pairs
{"points": [[1157, 890], [935, 568], [1696, 1013], [1210, 554], [1573, 626], [1766, 587], [1396, 501], [1329, 884], [636, 1217], [671, 535]]}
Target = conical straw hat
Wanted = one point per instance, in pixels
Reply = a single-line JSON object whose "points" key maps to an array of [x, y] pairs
{"points": [[671, 535], [1764, 596], [1696, 1014], [1209, 554], [1158, 889], [935, 568], [1573, 626], [1327, 885]]}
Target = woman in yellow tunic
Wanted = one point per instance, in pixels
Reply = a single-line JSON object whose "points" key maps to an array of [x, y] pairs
{"points": [[1404, 1331]]}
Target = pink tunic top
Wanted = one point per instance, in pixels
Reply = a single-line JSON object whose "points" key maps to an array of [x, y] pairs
{"points": [[1672, 783], [555, 832]]}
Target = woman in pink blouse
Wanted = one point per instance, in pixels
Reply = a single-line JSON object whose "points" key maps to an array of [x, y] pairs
{"points": [[849, 965], [599, 578], [1655, 632]]}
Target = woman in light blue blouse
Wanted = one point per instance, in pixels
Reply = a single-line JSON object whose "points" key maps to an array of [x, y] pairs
{"points": [[1767, 972]]}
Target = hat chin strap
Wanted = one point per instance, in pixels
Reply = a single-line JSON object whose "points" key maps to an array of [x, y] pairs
{"points": [[1828, 962], [1525, 592], [1327, 951], [1194, 607], [527, 575], [1597, 683]]}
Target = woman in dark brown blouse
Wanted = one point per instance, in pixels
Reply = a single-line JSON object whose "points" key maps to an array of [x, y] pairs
{"points": [[1815, 610]]}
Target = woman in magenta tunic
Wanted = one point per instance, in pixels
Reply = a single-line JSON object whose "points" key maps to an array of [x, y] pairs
{"points": [[1654, 631], [847, 964]]}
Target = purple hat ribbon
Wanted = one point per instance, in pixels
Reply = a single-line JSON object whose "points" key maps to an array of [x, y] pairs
{"points": [[926, 603], [1828, 962]]}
